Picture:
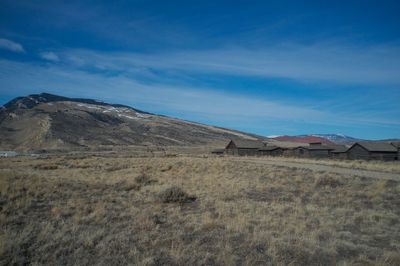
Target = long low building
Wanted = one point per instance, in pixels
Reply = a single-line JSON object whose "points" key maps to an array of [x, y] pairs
{"points": [[314, 150], [271, 150], [371, 150], [340, 152]]}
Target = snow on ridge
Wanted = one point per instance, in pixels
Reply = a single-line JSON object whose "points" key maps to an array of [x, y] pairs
{"points": [[120, 111], [90, 106], [127, 116], [273, 136], [33, 99], [331, 136]]}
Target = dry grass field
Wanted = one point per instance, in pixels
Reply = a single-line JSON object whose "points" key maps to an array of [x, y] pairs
{"points": [[86, 210], [389, 166]]}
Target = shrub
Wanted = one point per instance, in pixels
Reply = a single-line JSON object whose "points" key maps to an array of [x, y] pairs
{"points": [[328, 181], [175, 195], [46, 166], [144, 180]]}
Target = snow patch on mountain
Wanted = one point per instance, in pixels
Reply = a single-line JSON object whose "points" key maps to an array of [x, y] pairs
{"points": [[337, 138]]}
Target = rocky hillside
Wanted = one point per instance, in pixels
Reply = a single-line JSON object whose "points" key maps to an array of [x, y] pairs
{"points": [[45, 121]]}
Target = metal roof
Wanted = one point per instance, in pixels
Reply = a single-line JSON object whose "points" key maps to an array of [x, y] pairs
{"points": [[319, 147], [322, 147], [248, 144], [269, 148], [376, 146], [395, 143], [340, 149]]}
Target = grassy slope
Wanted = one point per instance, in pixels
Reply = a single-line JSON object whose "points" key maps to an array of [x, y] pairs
{"points": [[95, 210]]}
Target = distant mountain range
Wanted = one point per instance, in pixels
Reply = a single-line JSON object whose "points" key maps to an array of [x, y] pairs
{"points": [[328, 139], [324, 138], [338, 138], [46, 121]]}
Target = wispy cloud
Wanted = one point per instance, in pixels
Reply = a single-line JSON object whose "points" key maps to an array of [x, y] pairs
{"points": [[320, 62], [50, 56], [161, 97], [11, 46], [195, 103]]}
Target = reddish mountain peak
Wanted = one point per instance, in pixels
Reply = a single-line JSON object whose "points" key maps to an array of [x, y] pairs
{"points": [[304, 139]]}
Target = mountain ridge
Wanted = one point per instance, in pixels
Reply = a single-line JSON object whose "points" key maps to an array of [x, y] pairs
{"points": [[328, 139], [48, 121]]}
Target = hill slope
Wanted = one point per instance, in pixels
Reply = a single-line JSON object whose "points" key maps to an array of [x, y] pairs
{"points": [[46, 121]]}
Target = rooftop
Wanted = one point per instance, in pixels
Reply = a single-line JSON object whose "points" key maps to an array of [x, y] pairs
{"points": [[269, 148], [377, 146], [248, 144]]}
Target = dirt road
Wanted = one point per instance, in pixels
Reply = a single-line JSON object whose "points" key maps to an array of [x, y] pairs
{"points": [[325, 168]]}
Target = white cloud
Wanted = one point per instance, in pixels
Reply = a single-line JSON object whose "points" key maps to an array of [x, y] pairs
{"points": [[320, 62], [177, 99], [50, 56], [221, 108], [11, 46]]}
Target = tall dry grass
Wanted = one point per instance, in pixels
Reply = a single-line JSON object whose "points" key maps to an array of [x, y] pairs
{"points": [[108, 211]]}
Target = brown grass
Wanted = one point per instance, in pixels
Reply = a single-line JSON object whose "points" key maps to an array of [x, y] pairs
{"points": [[389, 166], [108, 211]]}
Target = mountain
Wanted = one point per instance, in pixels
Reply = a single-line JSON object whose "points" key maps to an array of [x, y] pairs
{"points": [[324, 138], [328, 139], [303, 139], [46, 121], [338, 138]]}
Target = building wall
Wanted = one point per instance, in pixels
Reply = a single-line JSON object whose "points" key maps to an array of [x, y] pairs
{"points": [[383, 156], [319, 153], [358, 153], [288, 152], [276, 152], [339, 155], [300, 152], [249, 152], [231, 149]]}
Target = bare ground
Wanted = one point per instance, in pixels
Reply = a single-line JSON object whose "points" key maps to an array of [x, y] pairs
{"points": [[87, 210]]}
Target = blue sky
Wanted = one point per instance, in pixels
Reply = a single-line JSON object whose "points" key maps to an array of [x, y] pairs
{"points": [[267, 67]]}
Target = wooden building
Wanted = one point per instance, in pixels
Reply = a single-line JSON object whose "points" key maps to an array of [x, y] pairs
{"points": [[243, 147], [368, 150], [340, 152], [314, 150], [300, 151], [271, 151], [396, 144]]}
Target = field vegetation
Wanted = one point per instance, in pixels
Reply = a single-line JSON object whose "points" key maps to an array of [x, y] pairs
{"points": [[385, 166], [183, 210]]}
